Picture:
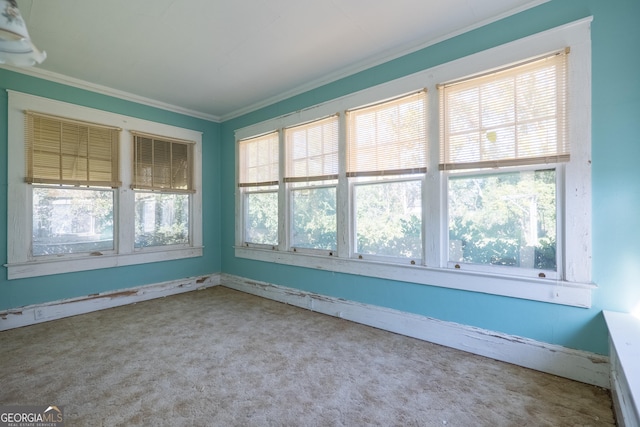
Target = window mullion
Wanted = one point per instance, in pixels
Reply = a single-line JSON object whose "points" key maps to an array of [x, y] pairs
{"points": [[284, 213], [342, 192], [153, 163], [60, 164], [88, 172], [432, 202], [561, 218], [124, 220]]}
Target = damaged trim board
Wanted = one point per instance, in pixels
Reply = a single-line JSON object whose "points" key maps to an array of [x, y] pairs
{"points": [[37, 313], [577, 365]]}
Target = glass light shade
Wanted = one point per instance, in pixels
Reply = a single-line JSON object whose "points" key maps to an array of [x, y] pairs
{"points": [[15, 44]]}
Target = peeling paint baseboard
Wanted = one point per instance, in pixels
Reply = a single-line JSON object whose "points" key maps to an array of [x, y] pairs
{"points": [[577, 365], [38, 313]]}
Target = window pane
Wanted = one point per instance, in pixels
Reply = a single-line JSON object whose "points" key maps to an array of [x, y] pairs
{"points": [[161, 219], [388, 219], [314, 218], [261, 216], [67, 221], [504, 219]]}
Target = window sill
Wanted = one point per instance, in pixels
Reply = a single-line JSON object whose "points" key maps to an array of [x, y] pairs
{"points": [[84, 263], [545, 290]]}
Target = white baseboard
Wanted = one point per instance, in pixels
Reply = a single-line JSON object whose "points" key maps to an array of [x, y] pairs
{"points": [[624, 350], [37, 313], [577, 365]]}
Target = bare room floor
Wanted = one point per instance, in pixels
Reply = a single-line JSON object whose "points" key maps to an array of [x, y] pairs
{"points": [[223, 357]]}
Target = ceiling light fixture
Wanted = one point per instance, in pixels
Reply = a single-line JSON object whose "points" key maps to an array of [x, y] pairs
{"points": [[15, 44]]}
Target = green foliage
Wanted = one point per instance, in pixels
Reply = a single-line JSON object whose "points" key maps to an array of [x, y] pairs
{"points": [[314, 218], [262, 218], [388, 219], [504, 219], [161, 219], [68, 220]]}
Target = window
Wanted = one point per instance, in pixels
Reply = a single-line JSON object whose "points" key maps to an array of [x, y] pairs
{"points": [[387, 161], [482, 185], [259, 165], [509, 129], [88, 192], [311, 176], [505, 219], [72, 167], [163, 183]]}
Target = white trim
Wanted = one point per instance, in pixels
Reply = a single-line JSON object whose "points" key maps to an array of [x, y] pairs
{"points": [[577, 365], [38, 313], [545, 290], [84, 263], [104, 90], [574, 238], [624, 351], [19, 263], [371, 62], [574, 34]]}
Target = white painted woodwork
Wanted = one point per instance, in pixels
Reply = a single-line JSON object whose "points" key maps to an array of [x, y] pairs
{"points": [[235, 56], [19, 262], [574, 285], [624, 352], [574, 364], [577, 365], [37, 313]]}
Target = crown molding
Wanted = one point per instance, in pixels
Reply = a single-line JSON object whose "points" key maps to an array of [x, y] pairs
{"points": [[374, 61], [360, 66], [105, 90]]}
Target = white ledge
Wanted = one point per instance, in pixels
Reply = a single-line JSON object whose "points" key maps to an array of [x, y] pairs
{"points": [[45, 267], [546, 290], [624, 340]]}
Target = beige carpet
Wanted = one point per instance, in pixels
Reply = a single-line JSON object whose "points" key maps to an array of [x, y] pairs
{"points": [[219, 357]]}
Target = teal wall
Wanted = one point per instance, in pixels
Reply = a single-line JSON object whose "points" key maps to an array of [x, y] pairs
{"points": [[616, 182], [21, 292], [616, 196]]}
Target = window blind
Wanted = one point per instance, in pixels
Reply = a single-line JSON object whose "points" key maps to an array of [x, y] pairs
{"points": [[388, 138], [71, 152], [511, 117], [312, 151], [162, 164], [259, 160]]}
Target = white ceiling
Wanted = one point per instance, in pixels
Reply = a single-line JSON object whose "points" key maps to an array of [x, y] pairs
{"points": [[221, 58]]}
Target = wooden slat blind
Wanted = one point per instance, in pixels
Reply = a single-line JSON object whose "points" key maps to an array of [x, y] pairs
{"points": [[259, 160], [388, 138], [312, 151], [162, 164], [70, 152], [510, 117]]}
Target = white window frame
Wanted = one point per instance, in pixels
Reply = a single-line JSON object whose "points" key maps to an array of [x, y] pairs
{"points": [[299, 184], [420, 177], [246, 192], [19, 222], [516, 271], [314, 185], [573, 288]]}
